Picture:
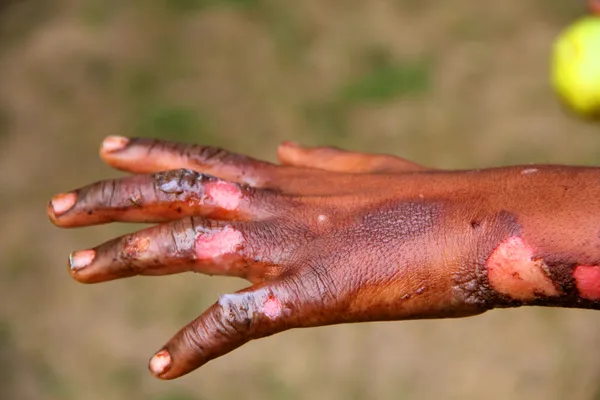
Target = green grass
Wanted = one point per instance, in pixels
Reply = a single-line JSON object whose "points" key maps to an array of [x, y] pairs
{"points": [[388, 80], [384, 80]]}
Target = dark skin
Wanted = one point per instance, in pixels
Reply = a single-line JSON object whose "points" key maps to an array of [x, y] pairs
{"points": [[330, 237]]}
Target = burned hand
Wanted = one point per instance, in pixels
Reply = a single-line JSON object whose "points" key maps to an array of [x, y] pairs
{"points": [[329, 237]]}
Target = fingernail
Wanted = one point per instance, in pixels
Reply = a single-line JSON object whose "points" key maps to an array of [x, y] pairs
{"points": [[114, 143], [61, 203], [160, 363], [81, 259]]}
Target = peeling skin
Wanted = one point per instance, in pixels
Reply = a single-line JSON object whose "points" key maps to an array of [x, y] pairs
{"points": [[242, 307], [137, 246], [200, 189], [225, 241], [514, 272], [225, 195], [587, 279]]}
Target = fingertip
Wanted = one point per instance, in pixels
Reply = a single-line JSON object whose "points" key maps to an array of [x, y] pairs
{"points": [[288, 152], [114, 143], [160, 364], [82, 269], [140, 155], [51, 214], [81, 259], [60, 204]]}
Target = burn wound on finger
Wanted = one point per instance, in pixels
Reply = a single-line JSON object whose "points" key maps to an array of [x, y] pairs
{"points": [[211, 245], [243, 308], [200, 190], [135, 247], [224, 194], [587, 279], [272, 307], [514, 271]]}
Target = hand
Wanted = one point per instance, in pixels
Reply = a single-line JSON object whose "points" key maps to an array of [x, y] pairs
{"points": [[331, 237]]}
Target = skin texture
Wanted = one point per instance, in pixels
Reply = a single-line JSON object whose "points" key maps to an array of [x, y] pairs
{"points": [[330, 237]]}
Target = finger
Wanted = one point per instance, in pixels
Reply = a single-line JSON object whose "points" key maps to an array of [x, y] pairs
{"points": [[234, 320], [191, 244], [162, 196], [143, 155], [337, 160]]}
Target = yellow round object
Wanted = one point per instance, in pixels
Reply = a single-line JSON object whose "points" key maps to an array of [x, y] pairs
{"points": [[576, 66]]}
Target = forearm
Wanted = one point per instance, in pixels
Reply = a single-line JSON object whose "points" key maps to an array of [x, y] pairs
{"points": [[531, 235], [475, 240]]}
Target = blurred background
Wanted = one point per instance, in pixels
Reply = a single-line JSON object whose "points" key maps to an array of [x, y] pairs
{"points": [[451, 84]]}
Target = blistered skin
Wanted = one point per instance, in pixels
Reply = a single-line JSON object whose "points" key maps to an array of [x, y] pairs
{"points": [[329, 236]]}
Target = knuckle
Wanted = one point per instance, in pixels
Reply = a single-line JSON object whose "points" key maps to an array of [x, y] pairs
{"points": [[198, 189], [250, 314], [191, 338], [112, 193], [134, 246], [177, 181], [243, 167], [237, 311], [207, 155], [176, 240], [277, 244], [130, 251], [104, 193], [318, 284]]}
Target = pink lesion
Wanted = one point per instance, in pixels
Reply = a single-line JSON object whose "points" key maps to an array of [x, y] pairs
{"points": [[215, 244], [272, 307], [587, 279], [513, 271], [225, 195]]}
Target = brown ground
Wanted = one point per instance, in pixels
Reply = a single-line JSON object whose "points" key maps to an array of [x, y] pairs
{"points": [[451, 84]]}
